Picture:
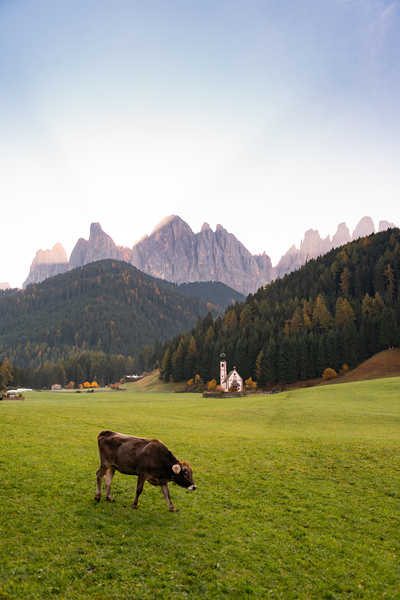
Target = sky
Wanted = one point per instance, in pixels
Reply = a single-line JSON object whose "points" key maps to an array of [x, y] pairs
{"points": [[266, 117]]}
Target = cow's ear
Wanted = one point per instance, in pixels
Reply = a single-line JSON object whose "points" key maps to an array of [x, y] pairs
{"points": [[176, 468]]}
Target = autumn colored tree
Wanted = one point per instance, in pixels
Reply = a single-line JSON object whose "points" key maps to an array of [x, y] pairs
{"points": [[329, 374], [250, 385], [345, 280], [6, 373], [211, 385], [344, 314], [321, 317]]}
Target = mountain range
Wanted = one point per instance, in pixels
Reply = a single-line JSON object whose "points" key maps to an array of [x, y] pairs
{"points": [[175, 253]]}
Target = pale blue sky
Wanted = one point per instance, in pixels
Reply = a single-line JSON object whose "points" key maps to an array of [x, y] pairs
{"points": [[267, 117]]}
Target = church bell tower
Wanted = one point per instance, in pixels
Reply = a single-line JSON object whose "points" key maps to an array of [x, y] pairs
{"points": [[222, 372]]}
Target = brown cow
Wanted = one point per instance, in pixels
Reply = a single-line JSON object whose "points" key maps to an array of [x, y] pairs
{"points": [[150, 460]]}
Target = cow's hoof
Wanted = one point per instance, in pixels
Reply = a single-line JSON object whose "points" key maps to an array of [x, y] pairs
{"points": [[173, 509], [135, 506], [110, 499], [97, 498]]}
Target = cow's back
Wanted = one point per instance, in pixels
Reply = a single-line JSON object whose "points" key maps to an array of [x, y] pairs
{"points": [[120, 450]]}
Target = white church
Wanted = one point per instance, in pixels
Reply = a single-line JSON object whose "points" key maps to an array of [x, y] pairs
{"points": [[229, 382]]}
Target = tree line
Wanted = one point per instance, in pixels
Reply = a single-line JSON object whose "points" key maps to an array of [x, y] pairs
{"points": [[73, 371]]}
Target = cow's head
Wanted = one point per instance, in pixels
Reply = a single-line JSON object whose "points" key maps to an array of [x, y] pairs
{"points": [[183, 475]]}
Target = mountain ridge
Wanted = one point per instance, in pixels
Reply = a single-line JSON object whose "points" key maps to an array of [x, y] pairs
{"points": [[172, 251]]}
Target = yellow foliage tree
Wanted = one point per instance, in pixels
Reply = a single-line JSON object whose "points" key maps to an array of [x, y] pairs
{"points": [[329, 374], [250, 385], [344, 315], [211, 385], [321, 317]]}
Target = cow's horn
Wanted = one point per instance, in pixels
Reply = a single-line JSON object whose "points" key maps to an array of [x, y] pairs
{"points": [[176, 468]]}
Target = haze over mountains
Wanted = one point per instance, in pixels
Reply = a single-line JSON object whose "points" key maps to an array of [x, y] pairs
{"points": [[175, 253]]}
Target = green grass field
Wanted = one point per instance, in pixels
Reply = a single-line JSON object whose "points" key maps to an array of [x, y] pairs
{"points": [[298, 497]]}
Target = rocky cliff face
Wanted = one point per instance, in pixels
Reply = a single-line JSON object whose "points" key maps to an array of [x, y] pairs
{"points": [[311, 246], [384, 225], [98, 247], [174, 252], [47, 263], [365, 227], [342, 236]]}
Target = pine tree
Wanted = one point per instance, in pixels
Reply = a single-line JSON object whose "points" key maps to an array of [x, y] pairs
{"points": [[344, 314], [190, 366], [321, 317], [6, 373], [345, 280], [178, 361]]}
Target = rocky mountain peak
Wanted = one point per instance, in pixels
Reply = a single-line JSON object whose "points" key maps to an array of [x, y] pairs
{"points": [[342, 236], [57, 254], [95, 229], [365, 227], [313, 245], [175, 253], [384, 225], [78, 254], [47, 263], [174, 223], [99, 246]]}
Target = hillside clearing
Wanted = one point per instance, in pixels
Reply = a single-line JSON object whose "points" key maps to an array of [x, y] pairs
{"points": [[298, 497], [151, 382], [382, 364]]}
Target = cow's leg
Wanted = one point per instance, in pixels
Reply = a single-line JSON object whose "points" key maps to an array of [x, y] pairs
{"points": [[108, 480], [99, 475], [165, 491], [139, 488]]}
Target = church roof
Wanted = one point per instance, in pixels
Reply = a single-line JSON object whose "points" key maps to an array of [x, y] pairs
{"points": [[233, 371]]}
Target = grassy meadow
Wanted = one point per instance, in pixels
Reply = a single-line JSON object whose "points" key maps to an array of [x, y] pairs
{"points": [[298, 497]]}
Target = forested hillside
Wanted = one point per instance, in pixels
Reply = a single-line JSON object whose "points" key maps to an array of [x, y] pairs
{"points": [[214, 293], [107, 306], [338, 309]]}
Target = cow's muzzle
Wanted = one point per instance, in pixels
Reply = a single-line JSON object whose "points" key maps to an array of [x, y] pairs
{"points": [[192, 487]]}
